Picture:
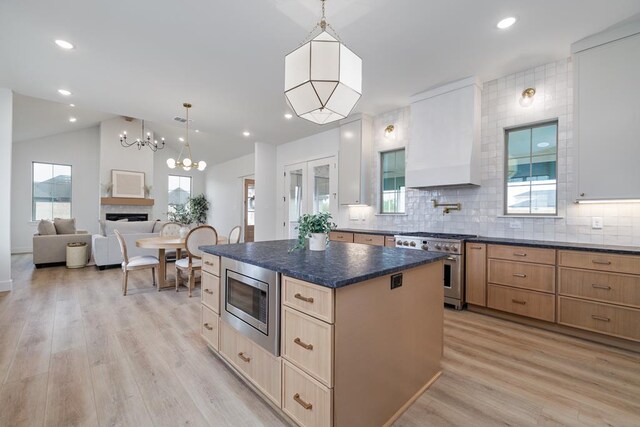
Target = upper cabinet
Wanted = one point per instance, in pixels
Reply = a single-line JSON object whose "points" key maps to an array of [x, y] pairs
{"points": [[444, 147], [354, 171], [607, 115]]}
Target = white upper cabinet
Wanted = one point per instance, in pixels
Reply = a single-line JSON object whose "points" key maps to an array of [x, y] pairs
{"points": [[444, 143], [354, 166], [607, 114]]}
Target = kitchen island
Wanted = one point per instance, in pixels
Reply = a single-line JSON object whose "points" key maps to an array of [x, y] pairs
{"points": [[360, 329]]}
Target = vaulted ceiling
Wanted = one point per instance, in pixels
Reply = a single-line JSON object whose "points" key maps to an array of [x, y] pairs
{"points": [[144, 58]]}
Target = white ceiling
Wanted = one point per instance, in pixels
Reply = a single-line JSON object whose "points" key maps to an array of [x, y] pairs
{"points": [[144, 58]]}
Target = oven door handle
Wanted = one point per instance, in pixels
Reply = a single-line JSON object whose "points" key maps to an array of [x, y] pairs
{"points": [[450, 258]]}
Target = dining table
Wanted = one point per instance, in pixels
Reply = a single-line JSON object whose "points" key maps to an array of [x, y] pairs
{"points": [[164, 243]]}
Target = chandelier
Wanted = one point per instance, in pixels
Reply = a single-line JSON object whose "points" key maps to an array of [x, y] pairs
{"points": [[186, 163], [145, 141], [322, 77]]}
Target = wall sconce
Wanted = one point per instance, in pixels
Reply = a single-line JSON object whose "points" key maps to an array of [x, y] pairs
{"points": [[527, 97], [389, 132]]}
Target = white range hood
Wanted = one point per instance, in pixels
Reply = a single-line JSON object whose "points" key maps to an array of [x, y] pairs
{"points": [[444, 144]]}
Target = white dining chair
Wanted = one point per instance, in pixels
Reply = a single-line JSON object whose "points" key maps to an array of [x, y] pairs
{"points": [[135, 263], [199, 236], [234, 235], [170, 229]]}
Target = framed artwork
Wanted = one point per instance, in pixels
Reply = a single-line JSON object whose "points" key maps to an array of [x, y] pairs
{"points": [[127, 184]]}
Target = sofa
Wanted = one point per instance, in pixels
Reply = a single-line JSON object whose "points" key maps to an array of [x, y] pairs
{"points": [[51, 249], [105, 247]]}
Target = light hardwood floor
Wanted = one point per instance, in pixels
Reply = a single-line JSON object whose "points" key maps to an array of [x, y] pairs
{"points": [[75, 352]]}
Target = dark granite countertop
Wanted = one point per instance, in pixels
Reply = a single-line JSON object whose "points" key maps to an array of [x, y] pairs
{"points": [[357, 230], [623, 250], [340, 265]]}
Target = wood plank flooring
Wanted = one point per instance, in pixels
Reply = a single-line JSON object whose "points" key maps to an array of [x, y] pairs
{"points": [[75, 352]]}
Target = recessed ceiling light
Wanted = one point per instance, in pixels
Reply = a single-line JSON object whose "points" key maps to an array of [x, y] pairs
{"points": [[543, 144], [246, 133], [64, 44], [181, 139], [72, 105], [72, 119], [64, 92], [506, 22], [288, 116], [197, 131]]}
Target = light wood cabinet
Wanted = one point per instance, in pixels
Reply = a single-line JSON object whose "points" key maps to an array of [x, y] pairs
{"points": [[209, 327], [314, 300], [390, 241], [523, 254], [609, 319], [210, 295], [612, 288], [537, 305], [340, 236], [305, 400], [629, 264], [369, 239], [211, 264], [535, 277], [210, 300], [476, 274], [354, 167]]}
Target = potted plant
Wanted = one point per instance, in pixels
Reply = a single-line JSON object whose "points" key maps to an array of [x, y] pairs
{"points": [[316, 228], [199, 206], [182, 216]]}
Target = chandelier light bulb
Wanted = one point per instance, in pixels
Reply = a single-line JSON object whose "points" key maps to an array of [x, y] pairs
{"points": [[201, 165], [186, 168], [171, 163], [187, 162]]}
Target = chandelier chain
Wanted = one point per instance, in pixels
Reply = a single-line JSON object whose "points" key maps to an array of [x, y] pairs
{"points": [[324, 26]]}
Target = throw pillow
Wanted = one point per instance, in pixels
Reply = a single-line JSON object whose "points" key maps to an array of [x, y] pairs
{"points": [[65, 226], [103, 225], [46, 228]]}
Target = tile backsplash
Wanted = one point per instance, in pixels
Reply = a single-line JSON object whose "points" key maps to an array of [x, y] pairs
{"points": [[482, 207]]}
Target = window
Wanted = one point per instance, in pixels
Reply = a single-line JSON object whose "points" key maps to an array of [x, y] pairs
{"points": [[179, 191], [531, 172], [392, 173], [51, 191]]}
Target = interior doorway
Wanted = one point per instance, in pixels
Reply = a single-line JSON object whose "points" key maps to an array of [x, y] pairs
{"points": [[249, 197]]}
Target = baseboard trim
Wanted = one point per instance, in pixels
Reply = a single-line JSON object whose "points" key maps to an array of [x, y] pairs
{"points": [[20, 251], [6, 285], [411, 401]]}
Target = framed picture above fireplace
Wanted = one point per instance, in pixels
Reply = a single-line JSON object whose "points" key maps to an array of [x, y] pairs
{"points": [[127, 184]]}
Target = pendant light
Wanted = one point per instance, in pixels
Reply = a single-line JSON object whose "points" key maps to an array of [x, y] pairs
{"points": [[187, 162], [322, 78], [144, 141]]}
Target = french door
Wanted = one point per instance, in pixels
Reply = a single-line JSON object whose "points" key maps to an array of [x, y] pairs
{"points": [[310, 187]]}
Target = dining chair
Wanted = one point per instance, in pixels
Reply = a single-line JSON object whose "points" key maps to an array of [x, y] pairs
{"points": [[170, 229], [199, 236], [135, 263], [234, 235]]}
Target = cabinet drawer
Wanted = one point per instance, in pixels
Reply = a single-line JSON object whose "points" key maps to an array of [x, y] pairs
{"points": [[369, 239], [314, 300], [600, 261], [390, 241], [608, 287], [523, 275], [236, 349], [304, 399], [209, 327], [211, 291], [605, 318], [211, 264], [308, 343], [266, 372], [523, 254], [339, 236], [525, 303]]}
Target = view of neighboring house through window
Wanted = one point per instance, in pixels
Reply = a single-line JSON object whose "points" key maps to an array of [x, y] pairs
{"points": [[392, 183], [51, 191], [531, 173], [179, 191]]}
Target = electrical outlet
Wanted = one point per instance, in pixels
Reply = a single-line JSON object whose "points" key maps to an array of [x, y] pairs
{"points": [[596, 222], [515, 224]]}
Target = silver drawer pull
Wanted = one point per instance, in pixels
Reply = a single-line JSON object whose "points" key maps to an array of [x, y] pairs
{"points": [[601, 318], [302, 344], [305, 299], [519, 254], [301, 402], [601, 262], [519, 275], [605, 287], [517, 301], [243, 357]]}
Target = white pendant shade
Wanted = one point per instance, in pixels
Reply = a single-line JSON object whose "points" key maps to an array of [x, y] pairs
{"points": [[323, 79]]}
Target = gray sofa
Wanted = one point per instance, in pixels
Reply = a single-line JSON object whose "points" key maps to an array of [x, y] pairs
{"points": [[105, 247], [51, 250]]}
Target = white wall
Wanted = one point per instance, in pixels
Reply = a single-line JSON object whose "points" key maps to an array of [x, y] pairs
{"points": [[266, 192], [6, 135], [80, 149], [224, 190]]}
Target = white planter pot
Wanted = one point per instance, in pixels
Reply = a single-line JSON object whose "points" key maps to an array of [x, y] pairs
{"points": [[318, 242], [184, 230]]}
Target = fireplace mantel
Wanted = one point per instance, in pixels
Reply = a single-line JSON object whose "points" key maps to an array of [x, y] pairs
{"points": [[126, 201]]}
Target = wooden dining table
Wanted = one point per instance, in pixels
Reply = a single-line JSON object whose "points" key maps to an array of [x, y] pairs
{"points": [[164, 243]]}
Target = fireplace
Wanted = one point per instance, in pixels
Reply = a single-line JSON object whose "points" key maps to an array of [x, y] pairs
{"points": [[127, 216]]}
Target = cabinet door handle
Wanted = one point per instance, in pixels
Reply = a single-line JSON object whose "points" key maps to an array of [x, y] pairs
{"points": [[305, 299], [601, 262], [519, 254], [302, 403], [601, 318], [243, 357], [517, 301], [519, 275], [208, 263], [302, 344], [208, 291], [208, 326], [476, 247], [605, 287]]}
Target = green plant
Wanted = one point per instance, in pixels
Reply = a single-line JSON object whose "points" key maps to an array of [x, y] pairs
{"points": [[312, 223], [180, 214], [199, 206]]}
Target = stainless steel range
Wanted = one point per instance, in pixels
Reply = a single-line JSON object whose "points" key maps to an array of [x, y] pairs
{"points": [[451, 244]]}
